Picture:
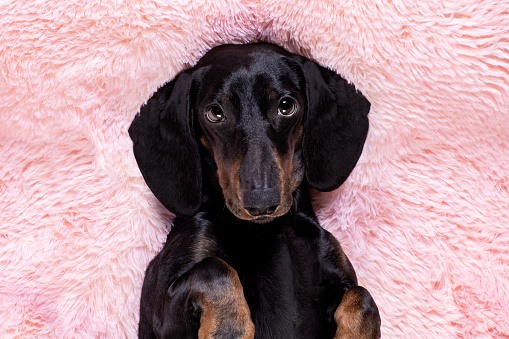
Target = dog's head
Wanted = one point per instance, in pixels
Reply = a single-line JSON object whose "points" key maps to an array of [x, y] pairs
{"points": [[266, 116]]}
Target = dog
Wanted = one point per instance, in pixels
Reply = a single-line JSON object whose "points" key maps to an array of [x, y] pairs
{"points": [[231, 147]]}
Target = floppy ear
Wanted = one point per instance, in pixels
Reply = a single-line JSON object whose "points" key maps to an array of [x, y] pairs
{"points": [[335, 127], [166, 149]]}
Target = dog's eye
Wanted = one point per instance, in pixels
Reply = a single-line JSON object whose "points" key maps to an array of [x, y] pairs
{"points": [[215, 114], [287, 107]]}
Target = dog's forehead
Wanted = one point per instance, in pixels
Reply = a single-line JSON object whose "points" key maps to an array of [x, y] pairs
{"points": [[246, 61], [242, 55], [242, 69]]}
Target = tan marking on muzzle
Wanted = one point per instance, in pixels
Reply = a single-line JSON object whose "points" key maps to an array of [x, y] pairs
{"points": [[229, 180], [284, 165]]}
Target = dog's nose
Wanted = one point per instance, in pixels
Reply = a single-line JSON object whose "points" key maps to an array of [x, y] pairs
{"points": [[261, 201]]}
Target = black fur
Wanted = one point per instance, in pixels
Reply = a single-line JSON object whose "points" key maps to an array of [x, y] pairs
{"points": [[239, 189]]}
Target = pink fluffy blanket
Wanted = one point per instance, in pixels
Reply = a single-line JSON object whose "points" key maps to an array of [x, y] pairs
{"points": [[424, 217]]}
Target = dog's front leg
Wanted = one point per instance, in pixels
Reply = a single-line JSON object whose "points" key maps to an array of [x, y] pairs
{"points": [[209, 296], [357, 315]]}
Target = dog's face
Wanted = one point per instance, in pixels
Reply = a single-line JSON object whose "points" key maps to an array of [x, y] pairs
{"points": [[267, 117], [250, 112]]}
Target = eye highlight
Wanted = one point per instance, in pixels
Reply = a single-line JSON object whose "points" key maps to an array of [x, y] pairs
{"points": [[215, 114], [287, 107]]}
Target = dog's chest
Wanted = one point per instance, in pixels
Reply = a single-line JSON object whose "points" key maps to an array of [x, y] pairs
{"points": [[281, 285]]}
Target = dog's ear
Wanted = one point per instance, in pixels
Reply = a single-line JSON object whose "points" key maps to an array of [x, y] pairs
{"points": [[166, 149], [335, 127]]}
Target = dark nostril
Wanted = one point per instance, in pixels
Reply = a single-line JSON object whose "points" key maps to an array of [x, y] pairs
{"points": [[255, 212], [270, 210]]}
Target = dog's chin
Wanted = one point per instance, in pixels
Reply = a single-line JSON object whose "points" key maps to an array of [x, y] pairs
{"points": [[241, 213], [263, 219]]}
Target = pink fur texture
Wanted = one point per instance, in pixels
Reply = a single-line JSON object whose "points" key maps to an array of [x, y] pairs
{"points": [[424, 217]]}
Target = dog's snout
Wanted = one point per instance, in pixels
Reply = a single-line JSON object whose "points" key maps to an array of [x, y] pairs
{"points": [[262, 201], [260, 184]]}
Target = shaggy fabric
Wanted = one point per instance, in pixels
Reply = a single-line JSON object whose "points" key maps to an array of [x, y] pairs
{"points": [[424, 217]]}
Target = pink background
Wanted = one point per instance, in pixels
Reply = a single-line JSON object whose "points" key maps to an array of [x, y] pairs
{"points": [[424, 217]]}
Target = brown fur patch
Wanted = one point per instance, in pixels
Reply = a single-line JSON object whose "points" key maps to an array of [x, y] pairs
{"points": [[297, 167], [300, 132], [284, 169], [357, 316], [203, 141], [271, 94], [225, 310]]}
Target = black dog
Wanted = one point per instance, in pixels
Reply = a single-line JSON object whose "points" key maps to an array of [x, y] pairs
{"points": [[230, 147]]}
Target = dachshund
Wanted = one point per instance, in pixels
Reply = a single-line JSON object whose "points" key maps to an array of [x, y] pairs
{"points": [[231, 147]]}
